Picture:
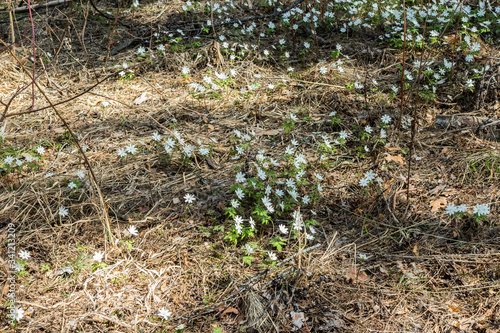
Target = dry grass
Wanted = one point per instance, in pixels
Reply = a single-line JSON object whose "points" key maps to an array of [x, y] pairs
{"points": [[425, 272]]}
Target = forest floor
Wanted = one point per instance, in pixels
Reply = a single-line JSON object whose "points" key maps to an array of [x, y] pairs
{"points": [[385, 257]]}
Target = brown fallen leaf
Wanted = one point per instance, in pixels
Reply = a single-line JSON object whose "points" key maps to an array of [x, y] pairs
{"points": [[354, 275], [398, 159], [392, 148], [230, 310], [438, 203]]}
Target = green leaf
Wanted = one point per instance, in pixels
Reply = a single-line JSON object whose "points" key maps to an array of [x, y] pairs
{"points": [[247, 260]]}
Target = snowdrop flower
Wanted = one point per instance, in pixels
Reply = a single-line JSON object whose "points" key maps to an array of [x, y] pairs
{"points": [[24, 255], [290, 69], [40, 150], [323, 70], [307, 45], [461, 209], [290, 183], [309, 237], [368, 129], [141, 50], [189, 198], [72, 185], [272, 256], [235, 203], [164, 313], [363, 256], [305, 199], [283, 229], [63, 211], [98, 256], [383, 133], [49, 174], [185, 70], [132, 230]]}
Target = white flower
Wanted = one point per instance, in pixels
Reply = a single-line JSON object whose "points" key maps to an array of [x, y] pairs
{"points": [[141, 50], [481, 210], [121, 152], [318, 176], [283, 229], [364, 182], [164, 313], [272, 256], [156, 136], [40, 150], [17, 314], [370, 175], [262, 175], [50, 174], [368, 129], [235, 203], [240, 177], [80, 174], [363, 256], [63, 211], [343, 135], [307, 45], [305, 199], [131, 149], [189, 198], [451, 209], [135, 3], [185, 70], [98, 256], [252, 223], [72, 185], [461, 209], [9, 160], [249, 249], [132, 230], [24, 254], [290, 69], [323, 70]]}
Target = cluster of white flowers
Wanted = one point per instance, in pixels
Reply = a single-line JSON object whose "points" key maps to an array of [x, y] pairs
{"points": [[478, 209], [369, 177]]}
